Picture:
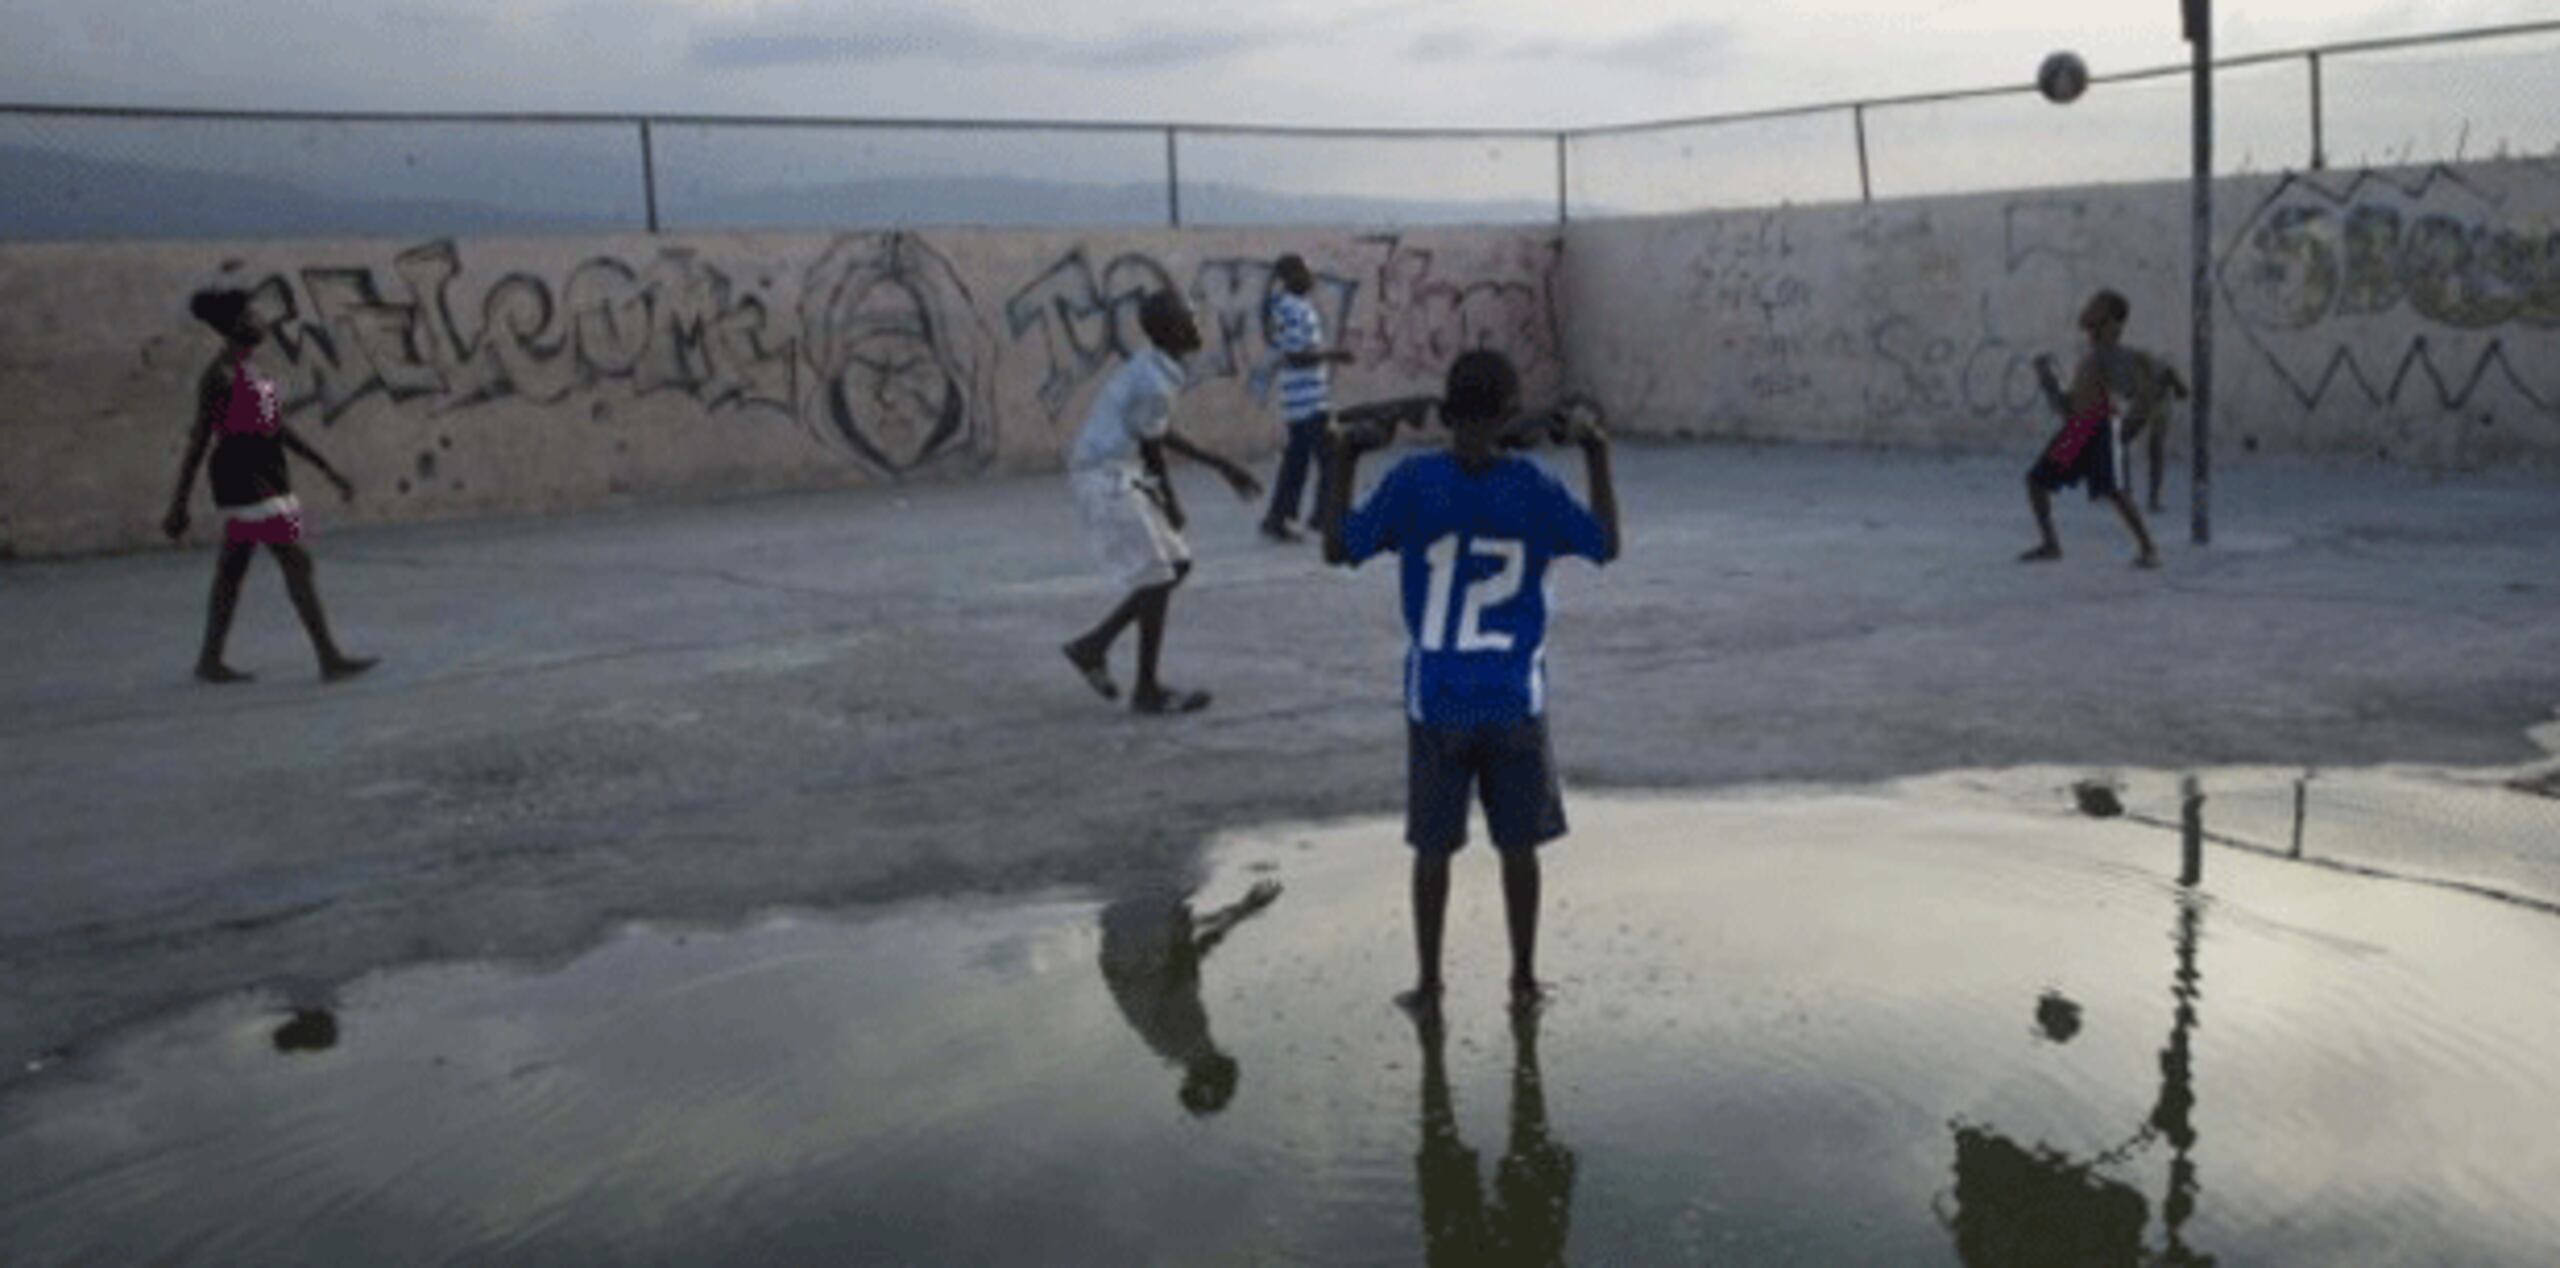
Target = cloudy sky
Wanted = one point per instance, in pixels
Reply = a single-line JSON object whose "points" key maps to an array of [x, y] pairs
{"points": [[1381, 62]]}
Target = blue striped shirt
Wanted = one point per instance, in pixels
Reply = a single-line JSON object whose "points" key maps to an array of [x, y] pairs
{"points": [[1296, 327]]}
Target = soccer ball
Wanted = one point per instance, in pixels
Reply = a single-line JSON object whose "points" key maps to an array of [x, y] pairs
{"points": [[2063, 77]]}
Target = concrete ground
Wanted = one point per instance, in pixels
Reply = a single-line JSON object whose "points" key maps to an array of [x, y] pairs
{"points": [[693, 713]]}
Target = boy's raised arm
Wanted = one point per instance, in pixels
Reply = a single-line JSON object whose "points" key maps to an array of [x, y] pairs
{"points": [[1237, 477], [1342, 449], [1604, 484]]}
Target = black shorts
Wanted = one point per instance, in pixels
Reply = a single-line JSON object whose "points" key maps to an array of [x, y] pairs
{"points": [[1511, 769], [2099, 462]]}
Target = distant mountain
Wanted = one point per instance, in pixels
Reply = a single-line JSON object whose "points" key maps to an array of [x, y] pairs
{"points": [[52, 195]]}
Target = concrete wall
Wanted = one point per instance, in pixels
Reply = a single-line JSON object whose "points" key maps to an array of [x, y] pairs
{"points": [[556, 374], [2411, 315]]}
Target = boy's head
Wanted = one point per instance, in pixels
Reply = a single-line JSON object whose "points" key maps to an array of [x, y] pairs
{"points": [[1481, 396], [2104, 317], [226, 310], [1208, 1083], [1294, 274], [1168, 324]]}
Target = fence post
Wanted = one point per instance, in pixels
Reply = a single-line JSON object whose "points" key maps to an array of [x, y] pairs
{"points": [[2190, 832], [2319, 125], [2199, 14], [1866, 190], [649, 174], [1173, 177], [1564, 196]]}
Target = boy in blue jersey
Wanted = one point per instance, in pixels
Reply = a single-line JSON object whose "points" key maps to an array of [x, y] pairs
{"points": [[1475, 530], [1306, 390]]}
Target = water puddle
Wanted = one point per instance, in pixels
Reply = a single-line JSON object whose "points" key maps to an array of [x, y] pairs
{"points": [[1954, 1021]]}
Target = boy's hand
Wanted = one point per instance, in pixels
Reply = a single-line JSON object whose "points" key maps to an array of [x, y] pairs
{"points": [[175, 523], [1354, 439], [1262, 895], [1584, 426], [346, 488], [1247, 488]]}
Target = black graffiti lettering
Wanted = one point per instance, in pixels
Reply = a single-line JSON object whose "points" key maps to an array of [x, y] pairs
{"points": [[2325, 282], [684, 328], [372, 336], [1423, 320], [1066, 305], [2372, 283], [1088, 321], [520, 352], [905, 370]]}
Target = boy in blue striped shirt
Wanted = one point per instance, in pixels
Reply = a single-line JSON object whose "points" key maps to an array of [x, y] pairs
{"points": [[1475, 529], [1305, 387]]}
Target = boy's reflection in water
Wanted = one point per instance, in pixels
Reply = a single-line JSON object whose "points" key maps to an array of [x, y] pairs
{"points": [[1151, 954], [1533, 1185]]}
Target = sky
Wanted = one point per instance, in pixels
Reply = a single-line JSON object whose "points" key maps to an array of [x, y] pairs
{"points": [[1398, 63]]}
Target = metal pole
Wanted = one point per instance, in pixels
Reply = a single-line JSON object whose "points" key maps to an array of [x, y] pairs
{"points": [[1866, 190], [1173, 176], [2302, 810], [2191, 832], [1564, 195], [2319, 125], [649, 174], [2200, 32]]}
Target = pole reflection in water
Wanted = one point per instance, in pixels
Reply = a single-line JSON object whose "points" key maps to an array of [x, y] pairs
{"points": [[2016, 1206], [1533, 1185], [1152, 950]]}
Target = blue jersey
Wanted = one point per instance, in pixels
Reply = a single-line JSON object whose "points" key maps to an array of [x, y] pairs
{"points": [[1475, 550]]}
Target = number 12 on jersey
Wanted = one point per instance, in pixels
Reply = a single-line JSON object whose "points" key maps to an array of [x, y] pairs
{"points": [[1486, 592]]}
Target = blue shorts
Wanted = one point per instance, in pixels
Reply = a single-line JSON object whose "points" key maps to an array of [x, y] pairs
{"points": [[1509, 766]]}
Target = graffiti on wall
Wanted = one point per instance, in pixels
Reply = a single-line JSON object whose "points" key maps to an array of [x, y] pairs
{"points": [[1418, 314], [905, 368], [1976, 371], [2325, 283], [1086, 317], [884, 355]]}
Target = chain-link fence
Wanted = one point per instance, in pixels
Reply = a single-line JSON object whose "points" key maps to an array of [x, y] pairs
{"points": [[73, 173]]}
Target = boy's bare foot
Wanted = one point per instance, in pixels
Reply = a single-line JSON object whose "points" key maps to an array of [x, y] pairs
{"points": [[1528, 995], [1168, 700], [2041, 554], [347, 667], [1096, 671], [2147, 559], [1282, 533], [221, 674], [1422, 1003]]}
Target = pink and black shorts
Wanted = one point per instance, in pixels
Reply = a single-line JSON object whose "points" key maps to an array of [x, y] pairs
{"points": [[274, 522]]}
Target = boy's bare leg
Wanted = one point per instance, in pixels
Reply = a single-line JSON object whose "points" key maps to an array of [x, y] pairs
{"points": [[1090, 652], [1430, 917], [2150, 556], [1520, 909], [1148, 694], [229, 568], [2158, 443], [299, 585], [2041, 502]]}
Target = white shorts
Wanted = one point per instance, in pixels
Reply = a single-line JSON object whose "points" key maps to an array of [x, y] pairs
{"points": [[1128, 531]]}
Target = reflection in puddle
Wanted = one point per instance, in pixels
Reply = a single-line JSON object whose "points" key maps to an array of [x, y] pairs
{"points": [[1151, 956], [1910, 1026], [2020, 1205]]}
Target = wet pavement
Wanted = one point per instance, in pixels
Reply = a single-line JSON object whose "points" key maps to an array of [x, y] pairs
{"points": [[697, 713], [1946, 1020]]}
